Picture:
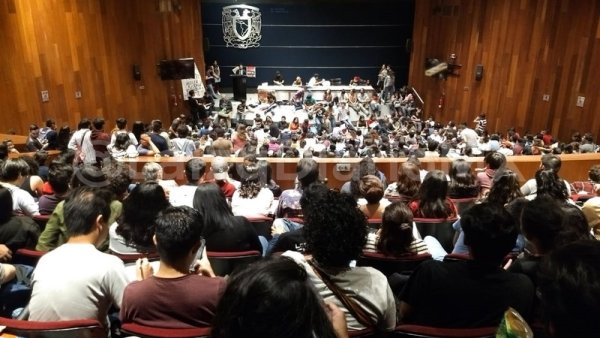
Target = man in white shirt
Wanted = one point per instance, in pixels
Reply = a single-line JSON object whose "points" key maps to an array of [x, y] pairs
{"points": [[81, 140], [184, 194], [469, 136], [315, 81], [75, 280], [12, 175]]}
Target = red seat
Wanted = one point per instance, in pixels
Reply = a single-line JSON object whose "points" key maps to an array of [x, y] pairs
{"points": [[262, 225], [41, 220], [88, 328], [463, 204], [410, 331], [225, 262], [27, 256], [388, 265], [133, 257], [159, 332], [440, 228]]}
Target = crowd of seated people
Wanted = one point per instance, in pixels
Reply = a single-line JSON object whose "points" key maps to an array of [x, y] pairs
{"points": [[96, 211]]}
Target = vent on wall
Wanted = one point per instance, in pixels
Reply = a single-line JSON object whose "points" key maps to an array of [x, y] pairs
{"points": [[445, 10]]}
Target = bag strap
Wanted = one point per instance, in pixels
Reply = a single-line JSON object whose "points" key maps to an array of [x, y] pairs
{"points": [[356, 310], [83, 138]]}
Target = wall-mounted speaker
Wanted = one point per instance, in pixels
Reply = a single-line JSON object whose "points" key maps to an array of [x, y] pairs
{"points": [[137, 73], [478, 72]]}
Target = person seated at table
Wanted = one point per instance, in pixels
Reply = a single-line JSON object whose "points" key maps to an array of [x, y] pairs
{"points": [[10, 147], [297, 82], [33, 142], [278, 79], [182, 145], [315, 80]]}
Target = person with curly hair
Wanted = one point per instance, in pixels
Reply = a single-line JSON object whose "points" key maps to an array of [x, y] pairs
{"points": [[372, 203], [132, 232], [253, 198], [336, 231]]}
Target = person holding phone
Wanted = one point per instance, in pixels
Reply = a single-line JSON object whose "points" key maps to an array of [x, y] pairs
{"points": [[184, 292]]}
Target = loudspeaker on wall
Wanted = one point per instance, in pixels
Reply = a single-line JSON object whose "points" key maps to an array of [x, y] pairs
{"points": [[478, 72], [137, 73]]}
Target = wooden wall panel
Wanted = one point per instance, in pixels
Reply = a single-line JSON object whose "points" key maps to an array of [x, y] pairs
{"points": [[528, 48], [91, 46]]}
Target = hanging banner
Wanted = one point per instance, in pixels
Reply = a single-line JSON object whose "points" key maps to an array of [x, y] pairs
{"points": [[196, 84]]}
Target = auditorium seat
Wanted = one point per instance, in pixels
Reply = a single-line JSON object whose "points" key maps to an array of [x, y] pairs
{"points": [[87, 328], [388, 265], [418, 331], [440, 228], [158, 332], [225, 262]]}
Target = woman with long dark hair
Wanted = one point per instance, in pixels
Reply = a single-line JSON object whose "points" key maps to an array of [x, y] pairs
{"points": [[281, 289], [433, 199], [132, 232], [222, 230], [463, 183]]}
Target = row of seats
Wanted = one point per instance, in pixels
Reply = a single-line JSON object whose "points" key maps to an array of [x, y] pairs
{"points": [[92, 329]]}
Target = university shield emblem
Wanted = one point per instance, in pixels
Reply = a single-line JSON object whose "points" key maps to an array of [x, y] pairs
{"points": [[241, 26]]}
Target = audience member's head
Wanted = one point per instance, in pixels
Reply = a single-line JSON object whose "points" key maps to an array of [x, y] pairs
{"points": [[569, 285], [152, 171], [86, 212], [178, 235], [371, 189], [505, 187], [277, 288], [432, 195], [195, 169], [548, 183], [13, 170], [334, 228], [490, 232], [307, 172], [409, 180], [396, 234], [494, 160], [136, 222], [551, 162], [212, 204], [59, 177]]}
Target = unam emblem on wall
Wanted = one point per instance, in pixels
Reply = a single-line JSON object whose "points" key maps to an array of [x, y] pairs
{"points": [[241, 26]]}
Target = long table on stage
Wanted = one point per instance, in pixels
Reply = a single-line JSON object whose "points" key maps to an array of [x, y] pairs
{"points": [[574, 167], [283, 93]]}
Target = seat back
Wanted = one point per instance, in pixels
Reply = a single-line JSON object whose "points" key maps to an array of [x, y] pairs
{"points": [[440, 228], [41, 221], [133, 257], [27, 256], [374, 224], [82, 328], [414, 331], [388, 265], [262, 225], [159, 332], [463, 204], [224, 263]]}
